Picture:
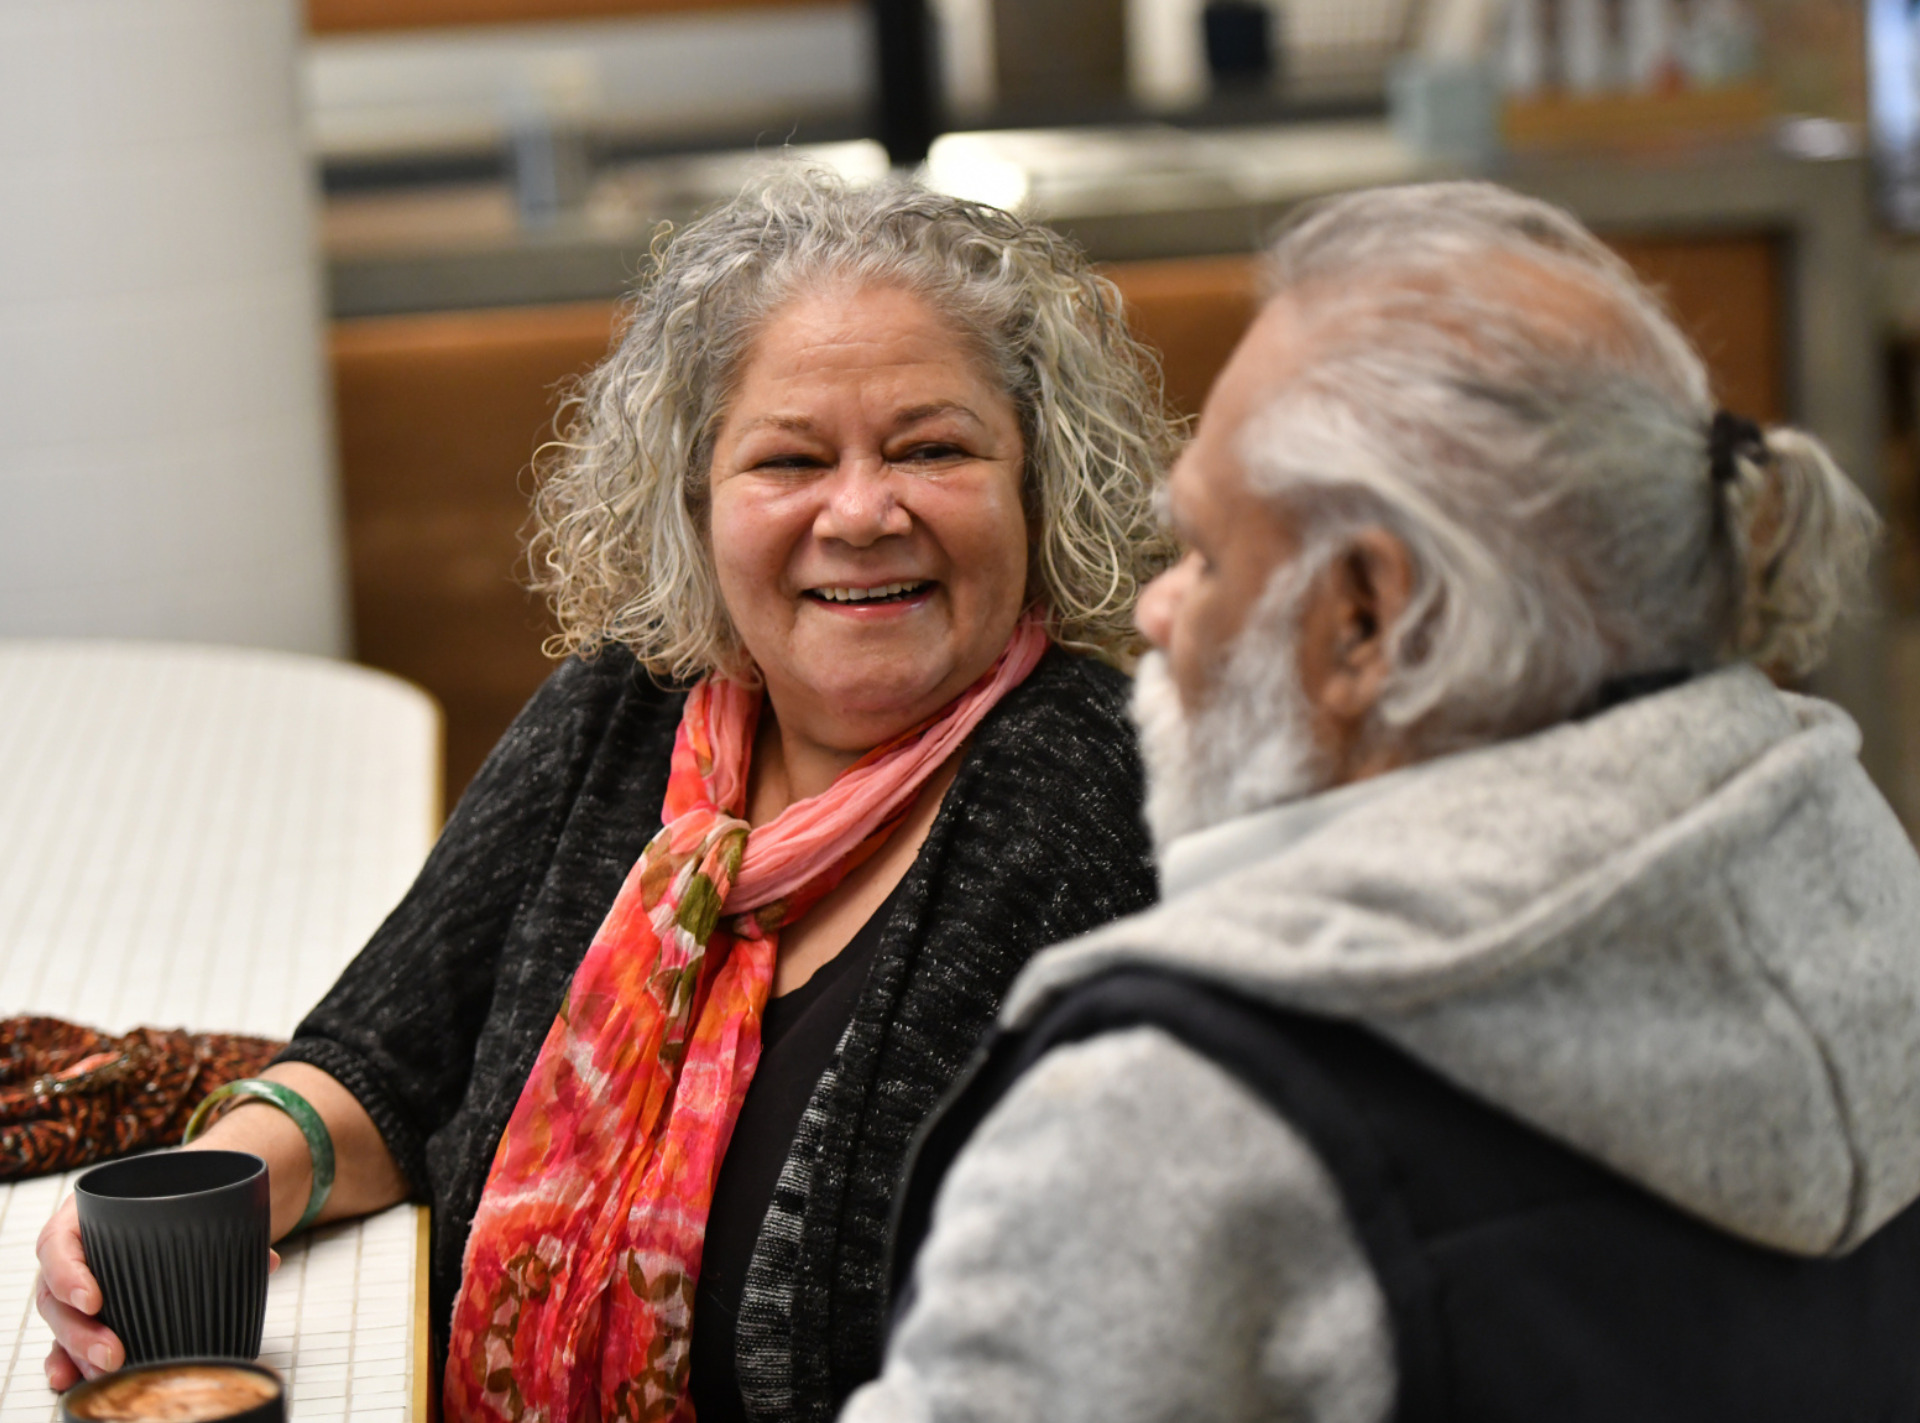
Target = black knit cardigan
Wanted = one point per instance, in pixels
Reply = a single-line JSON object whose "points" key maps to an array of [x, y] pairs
{"points": [[435, 1026]]}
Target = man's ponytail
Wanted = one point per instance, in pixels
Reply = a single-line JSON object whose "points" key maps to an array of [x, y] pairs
{"points": [[1803, 535]]}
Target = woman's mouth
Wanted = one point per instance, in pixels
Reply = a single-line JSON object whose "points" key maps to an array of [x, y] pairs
{"points": [[845, 595]]}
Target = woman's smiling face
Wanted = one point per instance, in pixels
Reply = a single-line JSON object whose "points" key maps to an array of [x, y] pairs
{"points": [[866, 516]]}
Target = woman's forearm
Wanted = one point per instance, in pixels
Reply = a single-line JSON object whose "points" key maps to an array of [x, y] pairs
{"points": [[366, 1179]]}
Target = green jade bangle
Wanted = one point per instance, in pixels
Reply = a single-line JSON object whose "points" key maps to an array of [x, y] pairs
{"points": [[319, 1139]]}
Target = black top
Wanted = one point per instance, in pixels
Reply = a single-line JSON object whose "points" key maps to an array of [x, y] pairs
{"points": [[1524, 1280], [435, 1026], [798, 1033]]}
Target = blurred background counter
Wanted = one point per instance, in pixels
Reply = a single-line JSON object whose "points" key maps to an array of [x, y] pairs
{"points": [[489, 175], [455, 324]]}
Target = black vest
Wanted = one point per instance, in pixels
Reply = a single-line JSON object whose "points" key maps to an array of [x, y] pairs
{"points": [[1525, 1283]]}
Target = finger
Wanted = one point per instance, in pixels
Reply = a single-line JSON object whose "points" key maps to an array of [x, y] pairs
{"points": [[273, 1260], [62, 1372], [88, 1343], [63, 1263]]}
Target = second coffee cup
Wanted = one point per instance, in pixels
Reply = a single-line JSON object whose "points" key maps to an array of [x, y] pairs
{"points": [[179, 1391]]}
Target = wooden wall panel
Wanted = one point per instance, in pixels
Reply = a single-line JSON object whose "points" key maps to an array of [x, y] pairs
{"points": [[1192, 310], [332, 16], [439, 416], [1728, 294]]}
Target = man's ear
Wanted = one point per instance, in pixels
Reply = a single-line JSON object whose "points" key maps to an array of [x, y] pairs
{"points": [[1367, 588]]}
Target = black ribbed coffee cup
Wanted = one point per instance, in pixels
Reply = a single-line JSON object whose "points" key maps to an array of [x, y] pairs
{"points": [[180, 1391], [178, 1241]]}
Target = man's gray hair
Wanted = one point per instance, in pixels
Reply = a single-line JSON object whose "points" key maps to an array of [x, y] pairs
{"points": [[1486, 380], [620, 541]]}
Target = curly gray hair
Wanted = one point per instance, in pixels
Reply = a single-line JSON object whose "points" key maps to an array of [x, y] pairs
{"points": [[1492, 384], [619, 543]]}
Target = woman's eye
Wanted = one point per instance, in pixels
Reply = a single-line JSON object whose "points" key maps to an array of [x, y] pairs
{"points": [[787, 461], [929, 453]]}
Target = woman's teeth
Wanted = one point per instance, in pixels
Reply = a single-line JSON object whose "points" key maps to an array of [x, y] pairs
{"points": [[866, 595]]}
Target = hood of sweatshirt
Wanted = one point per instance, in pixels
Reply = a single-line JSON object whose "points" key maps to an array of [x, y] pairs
{"points": [[1682, 937]]}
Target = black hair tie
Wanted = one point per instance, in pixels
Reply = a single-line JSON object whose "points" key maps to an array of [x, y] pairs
{"points": [[1730, 439]]}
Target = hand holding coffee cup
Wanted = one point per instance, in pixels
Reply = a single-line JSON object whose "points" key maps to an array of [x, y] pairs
{"points": [[156, 1256], [178, 1241], [296, 1141]]}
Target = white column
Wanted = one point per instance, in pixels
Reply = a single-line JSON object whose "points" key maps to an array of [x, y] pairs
{"points": [[166, 463], [1166, 54]]}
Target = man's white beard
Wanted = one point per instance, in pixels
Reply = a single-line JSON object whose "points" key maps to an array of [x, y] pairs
{"points": [[1252, 745]]}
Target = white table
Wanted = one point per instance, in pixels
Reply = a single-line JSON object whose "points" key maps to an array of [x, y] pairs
{"points": [[203, 837]]}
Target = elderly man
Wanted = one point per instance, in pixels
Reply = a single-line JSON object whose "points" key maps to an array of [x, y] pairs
{"points": [[1530, 1029]]}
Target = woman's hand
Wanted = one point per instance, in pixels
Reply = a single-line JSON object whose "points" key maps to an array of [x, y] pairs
{"points": [[68, 1297], [366, 1179]]}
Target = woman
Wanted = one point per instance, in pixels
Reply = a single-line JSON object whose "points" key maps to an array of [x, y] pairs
{"points": [[652, 1031]]}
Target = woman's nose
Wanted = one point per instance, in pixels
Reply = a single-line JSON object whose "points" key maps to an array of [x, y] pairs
{"points": [[862, 505]]}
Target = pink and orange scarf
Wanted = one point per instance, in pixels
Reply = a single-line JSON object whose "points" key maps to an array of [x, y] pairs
{"points": [[576, 1299]]}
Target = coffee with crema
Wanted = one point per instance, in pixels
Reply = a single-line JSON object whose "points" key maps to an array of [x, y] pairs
{"points": [[174, 1393]]}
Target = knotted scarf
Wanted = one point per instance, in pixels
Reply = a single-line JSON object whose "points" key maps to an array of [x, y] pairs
{"points": [[576, 1297]]}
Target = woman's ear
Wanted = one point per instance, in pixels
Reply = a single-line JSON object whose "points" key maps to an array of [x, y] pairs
{"points": [[1364, 592]]}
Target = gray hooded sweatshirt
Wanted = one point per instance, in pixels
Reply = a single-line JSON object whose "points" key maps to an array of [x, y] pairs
{"points": [[1682, 937]]}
